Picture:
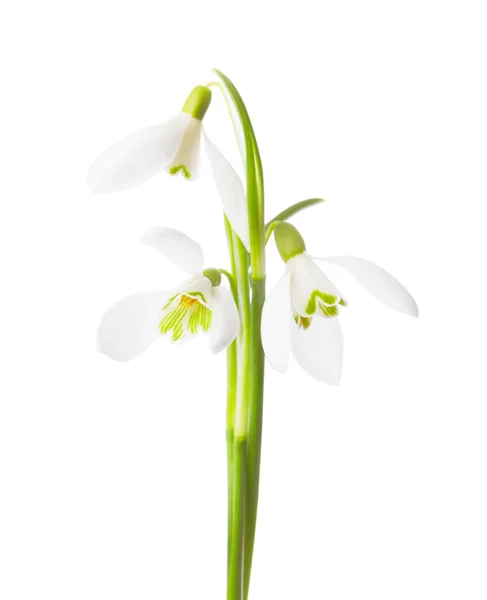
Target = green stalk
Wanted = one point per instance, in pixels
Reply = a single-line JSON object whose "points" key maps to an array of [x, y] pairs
{"points": [[294, 209], [230, 440], [254, 443], [243, 341], [231, 399], [235, 580], [254, 409], [231, 396], [244, 427]]}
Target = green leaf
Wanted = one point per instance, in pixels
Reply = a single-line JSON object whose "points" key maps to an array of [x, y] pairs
{"points": [[255, 183]]}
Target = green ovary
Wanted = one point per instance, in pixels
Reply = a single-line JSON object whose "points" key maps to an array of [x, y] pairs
{"points": [[198, 102], [185, 314]]}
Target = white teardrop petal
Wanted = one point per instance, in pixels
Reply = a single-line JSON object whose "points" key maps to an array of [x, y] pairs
{"points": [[231, 191], [177, 247], [277, 322], [131, 325], [135, 158], [225, 322], [386, 288], [319, 349]]}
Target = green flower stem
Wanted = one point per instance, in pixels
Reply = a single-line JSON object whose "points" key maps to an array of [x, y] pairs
{"points": [[295, 208], [254, 442], [235, 580], [269, 230], [250, 357], [254, 409], [231, 399], [231, 389], [238, 361], [233, 285], [243, 340]]}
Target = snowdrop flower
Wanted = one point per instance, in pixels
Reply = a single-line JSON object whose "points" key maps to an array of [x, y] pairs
{"points": [[174, 146], [198, 305], [300, 313]]}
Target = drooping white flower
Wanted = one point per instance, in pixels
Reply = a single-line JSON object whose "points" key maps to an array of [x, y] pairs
{"points": [[300, 313], [175, 146], [197, 305]]}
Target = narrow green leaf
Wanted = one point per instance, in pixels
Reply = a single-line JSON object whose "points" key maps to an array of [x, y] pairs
{"points": [[255, 184]]}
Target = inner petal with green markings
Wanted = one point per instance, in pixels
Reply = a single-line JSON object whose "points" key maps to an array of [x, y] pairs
{"points": [[184, 315], [312, 293], [187, 158]]}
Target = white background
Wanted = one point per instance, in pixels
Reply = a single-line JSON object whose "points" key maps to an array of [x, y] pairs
{"points": [[112, 476]]}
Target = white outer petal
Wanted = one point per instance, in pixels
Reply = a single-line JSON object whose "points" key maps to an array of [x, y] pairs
{"points": [[277, 322], [231, 191], [177, 247], [378, 282], [225, 322], [131, 325], [135, 158], [319, 349]]}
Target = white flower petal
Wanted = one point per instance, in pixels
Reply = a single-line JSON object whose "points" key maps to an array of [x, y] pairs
{"points": [[135, 158], [177, 247], [225, 322], [131, 325], [306, 278], [277, 322], [319, 349], [231, 191], [378, 282]]}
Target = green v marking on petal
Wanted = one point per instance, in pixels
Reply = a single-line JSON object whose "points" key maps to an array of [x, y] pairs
{"points": [[192, 294], [175, 170], [327, 299], [196, 295]]}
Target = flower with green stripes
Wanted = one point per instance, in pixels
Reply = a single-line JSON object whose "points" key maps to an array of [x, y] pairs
{"points": [[198, 305], [300, 313], [175, 147]]}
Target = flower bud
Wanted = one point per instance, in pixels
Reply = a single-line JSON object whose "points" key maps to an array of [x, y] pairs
{"points": [[288, 240], [198, 102]]}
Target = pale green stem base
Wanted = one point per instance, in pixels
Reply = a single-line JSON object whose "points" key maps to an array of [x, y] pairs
{"points": [[235, 581]]}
